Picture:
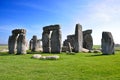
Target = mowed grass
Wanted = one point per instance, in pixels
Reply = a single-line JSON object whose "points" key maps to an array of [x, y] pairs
{"points": [[82, 66]]}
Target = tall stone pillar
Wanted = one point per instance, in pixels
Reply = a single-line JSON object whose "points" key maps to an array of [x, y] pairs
{"points": [[78, 38], [21, 44], [107, 43], [56, 41], [12, 43], [30, 44], [46, 41], [35, 47]]}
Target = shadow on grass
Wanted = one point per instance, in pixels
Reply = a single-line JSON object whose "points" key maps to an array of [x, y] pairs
{"points": [[94, 55], [5, 54]]}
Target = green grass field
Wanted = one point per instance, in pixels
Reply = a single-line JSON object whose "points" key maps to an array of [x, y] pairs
{"points": [[82, 66]]}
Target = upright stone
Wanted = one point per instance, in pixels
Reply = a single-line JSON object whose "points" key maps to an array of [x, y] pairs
{"points": [[21, 44], [87, 40], [38, 43], [78, 38], [35, 47], [17, 41], [71, 39], [46, 41], [107, 43], [51, 39], [69, 47], [12, 43], [30, 44], [56, 41]]}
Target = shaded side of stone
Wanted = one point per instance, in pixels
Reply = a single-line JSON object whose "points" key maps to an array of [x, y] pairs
{"points": [[107, 43]]}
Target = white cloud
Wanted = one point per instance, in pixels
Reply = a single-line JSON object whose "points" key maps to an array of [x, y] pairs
{"points": [[103, 16]]}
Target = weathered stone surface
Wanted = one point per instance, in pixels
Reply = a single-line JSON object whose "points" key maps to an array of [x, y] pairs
{"points": [[18, 31], [51, 27], [78, 38], [69, 47], [53, 57], [87, 39], [17, 41], [35, 43], [31, 44], [85, 50], [65, 42], [12, 44], [107, 43], [56, 41], [37, 56], [38, 43], [21, 44], [51, 39], [46, 42], [71, 39]]}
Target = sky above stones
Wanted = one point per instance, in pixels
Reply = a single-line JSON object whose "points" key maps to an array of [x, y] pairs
{"points": [[33, 15]]}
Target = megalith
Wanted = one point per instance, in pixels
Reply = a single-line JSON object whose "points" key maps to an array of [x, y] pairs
{"points": [[17, 41], [51, 39], [21, 44], [12, 43], [87, 39], [34, 45], [69, 47], [75, 40], [46, 41], [71, 40], [30, 44], [56, 41], [107, 43], [78, 38]]}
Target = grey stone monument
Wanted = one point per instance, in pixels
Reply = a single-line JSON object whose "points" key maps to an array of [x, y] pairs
{"points": [[17, 41], [56, 41], [51, 39], [30, 44], [107, 43], [12, 43], [46, 42], [78, 38], [87, 39], [21, 44], [34, 45]]}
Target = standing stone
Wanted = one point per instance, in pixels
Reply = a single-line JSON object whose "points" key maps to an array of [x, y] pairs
{"points": [[31, 44], [21, 44], [35, 47], [87, 40], [69, 47], [56, 41], [107, 43], [78, 38], [71, 39], [38, 44], [12, 44], [51, 39], [17, 41], [46, 42]]}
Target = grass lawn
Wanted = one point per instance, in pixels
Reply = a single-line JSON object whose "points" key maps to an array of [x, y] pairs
{"points": [[82, 66]]}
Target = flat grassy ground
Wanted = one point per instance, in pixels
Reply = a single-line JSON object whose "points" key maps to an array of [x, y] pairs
{"points": [[82, 66], [3, 47]]}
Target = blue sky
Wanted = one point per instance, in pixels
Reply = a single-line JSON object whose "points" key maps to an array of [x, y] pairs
{"points": [[33, 15]]}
